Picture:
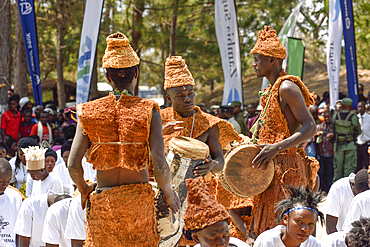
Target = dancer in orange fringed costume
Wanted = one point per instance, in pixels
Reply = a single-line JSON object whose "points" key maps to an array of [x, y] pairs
{"points": [[124, 131], [186, 119], [285, 123]]}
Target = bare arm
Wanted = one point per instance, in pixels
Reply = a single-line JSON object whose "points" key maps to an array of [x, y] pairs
{"points": [[52, 245], [331, 223], [77, 243], [216, 163], [239, 222], [292, 96], [161, 168], [2, 134], [24, 241], [79, 147]]}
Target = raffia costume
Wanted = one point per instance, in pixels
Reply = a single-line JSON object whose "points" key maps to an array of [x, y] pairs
{"points": [[119, 131], [291, 166]]}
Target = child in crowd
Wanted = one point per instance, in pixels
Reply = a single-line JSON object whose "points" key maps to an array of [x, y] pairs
{"points": [[11, 120], [12, 147], [3, 150], [26, 125], [42, 128], [299, 215]]}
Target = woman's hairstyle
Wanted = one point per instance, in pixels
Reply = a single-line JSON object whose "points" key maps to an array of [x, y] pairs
{"points": [[360, 233], [300, 198]]}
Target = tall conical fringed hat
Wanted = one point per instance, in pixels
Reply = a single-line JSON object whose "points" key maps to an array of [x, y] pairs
{"points": [[35, 157], [203, 210], [177, 73], [268, 44], [119, 53]]}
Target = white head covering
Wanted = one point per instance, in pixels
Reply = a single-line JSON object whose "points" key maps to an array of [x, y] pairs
{"points": [[23, 102]]}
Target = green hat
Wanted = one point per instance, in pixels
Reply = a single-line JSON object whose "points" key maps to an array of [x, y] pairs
{"points": [[347, 101], [235, 103]]}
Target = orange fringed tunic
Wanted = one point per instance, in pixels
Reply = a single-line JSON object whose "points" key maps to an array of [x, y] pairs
{"points": [[203, 121], [119, 131], [291, 168]]}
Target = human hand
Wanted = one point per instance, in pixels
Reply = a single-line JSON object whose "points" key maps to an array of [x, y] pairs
{"points": [[204, 169], [172, 200], [263, 158], [329, 135], [171, 127], [85, 194]]}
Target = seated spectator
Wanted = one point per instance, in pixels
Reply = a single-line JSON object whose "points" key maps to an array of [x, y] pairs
{"points": [[76, 223], [42, 182], [10, 203], [42, 129], [50, 159], [12, 147], [340, 197], [26, 125], [299, 214], [31, 216], [206, 221], [359, 208], [11, 120], [61, 171], [53, 233], [18, 163], [3, 150]]}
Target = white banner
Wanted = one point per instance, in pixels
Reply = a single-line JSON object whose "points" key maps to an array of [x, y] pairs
{"points": [[334, 48], [286, 31], [227, 32], [88, 42]]}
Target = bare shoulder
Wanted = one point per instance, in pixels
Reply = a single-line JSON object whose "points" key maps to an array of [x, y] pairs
{"points": [[288, 86], [289, 91]]}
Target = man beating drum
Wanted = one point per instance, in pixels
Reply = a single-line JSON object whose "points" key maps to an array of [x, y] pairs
{"points": [[286, 123], [184, 119]]}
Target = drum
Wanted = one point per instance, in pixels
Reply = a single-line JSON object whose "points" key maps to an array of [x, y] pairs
{"points": [[184, 154], [238, 175]]}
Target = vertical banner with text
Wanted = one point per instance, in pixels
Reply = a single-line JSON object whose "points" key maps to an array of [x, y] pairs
{"points": [[334, 49], [88, 43], [27, 14], [350, 49], [227, 32]]}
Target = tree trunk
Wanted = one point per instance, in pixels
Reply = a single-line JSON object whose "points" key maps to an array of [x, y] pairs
{"points": [[60, 34], [137, 24], [5, 48], [20, 63], [173, 27], [94, 81]]}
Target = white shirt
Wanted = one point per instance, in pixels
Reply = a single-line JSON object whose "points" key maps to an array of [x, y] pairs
{"points": [[272, 238], [55, 224], [235, 124], [62, 173], [50, 183], [336, 239], [59, 158], [89, 173], [365, 128], [233, 242], [19, 176], [339, 200], [10, 203], [359, 208], [76, 222], [30, 220]]}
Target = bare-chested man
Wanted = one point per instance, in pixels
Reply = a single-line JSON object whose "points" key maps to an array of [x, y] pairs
{"points": [[124, 131], [287, 122]]}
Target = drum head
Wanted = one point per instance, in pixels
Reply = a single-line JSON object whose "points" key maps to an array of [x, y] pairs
{"points": [[189, 148], [242, 179]]}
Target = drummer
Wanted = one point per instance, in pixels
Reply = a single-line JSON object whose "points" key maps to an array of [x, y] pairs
{"points": [[186, 119], [286, 123]]}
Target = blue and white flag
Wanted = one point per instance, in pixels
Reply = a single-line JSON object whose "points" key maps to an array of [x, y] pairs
{"points": [[88, 42], [227, 33], [27, 14], [350, 50], [334, 48]]}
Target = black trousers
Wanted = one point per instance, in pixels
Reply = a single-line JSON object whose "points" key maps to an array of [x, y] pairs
{"points": [[362, 157], [326, 172]]}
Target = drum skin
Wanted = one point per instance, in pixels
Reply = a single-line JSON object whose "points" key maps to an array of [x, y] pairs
{"points": [[189, 148], [238, 175]]}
